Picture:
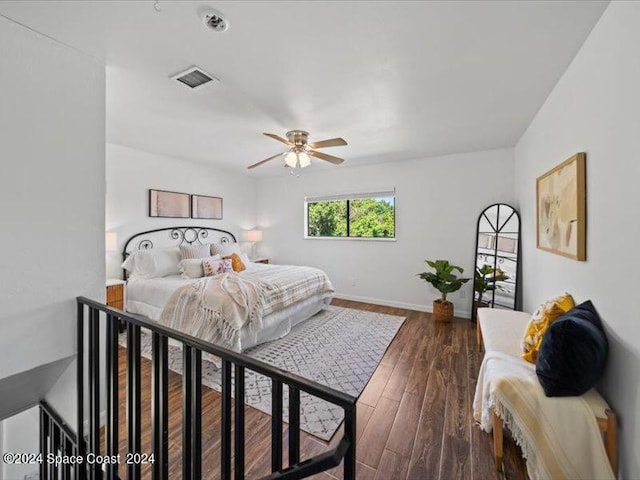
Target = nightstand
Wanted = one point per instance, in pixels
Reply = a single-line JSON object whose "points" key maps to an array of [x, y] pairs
{"points": [[261, 260], [115, 293]]}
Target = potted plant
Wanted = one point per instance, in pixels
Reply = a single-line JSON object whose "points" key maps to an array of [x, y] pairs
{"points": [[445, 281], [485, 281]]}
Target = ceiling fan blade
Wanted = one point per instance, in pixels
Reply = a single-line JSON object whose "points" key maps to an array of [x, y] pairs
{"points": [[278, 138], [263, 161], [332, 142], [324, 156]]}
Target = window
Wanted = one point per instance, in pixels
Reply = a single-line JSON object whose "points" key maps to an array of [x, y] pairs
{"points": [[371, 215]]}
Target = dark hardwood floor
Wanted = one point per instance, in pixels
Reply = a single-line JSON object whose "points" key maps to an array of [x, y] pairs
{"points": [[414, 418]]}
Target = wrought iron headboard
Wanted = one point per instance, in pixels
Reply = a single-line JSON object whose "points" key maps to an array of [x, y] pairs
{"points": [[175, 236]]}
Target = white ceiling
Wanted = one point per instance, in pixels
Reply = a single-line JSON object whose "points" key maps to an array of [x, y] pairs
{"points": [[397, 80]]}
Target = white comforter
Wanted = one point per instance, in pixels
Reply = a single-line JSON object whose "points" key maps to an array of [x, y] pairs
{"points": [[217, 308]]}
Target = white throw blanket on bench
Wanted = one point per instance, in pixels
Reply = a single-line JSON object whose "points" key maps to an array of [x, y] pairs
{"points": [[559, 437]]}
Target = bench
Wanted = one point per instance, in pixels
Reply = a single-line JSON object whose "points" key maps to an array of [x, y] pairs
{"points": [[501, 331]]}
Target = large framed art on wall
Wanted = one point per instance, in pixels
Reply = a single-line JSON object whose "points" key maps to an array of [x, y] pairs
{"points": [[169, 204], [561, 206], [206, 207]]}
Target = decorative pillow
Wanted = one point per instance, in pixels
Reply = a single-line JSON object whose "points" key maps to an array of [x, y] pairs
{"points": [[542, 318], [214, 267], [573, 354], [236, 262], [153, 263], [192, 267], [225, 249], [195, 251]]}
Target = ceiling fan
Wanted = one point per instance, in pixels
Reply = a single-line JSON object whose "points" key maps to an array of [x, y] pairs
{"points": [[300, 151]]}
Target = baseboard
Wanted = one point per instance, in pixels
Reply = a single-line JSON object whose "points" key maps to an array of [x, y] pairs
{"points": [[392, 303]]}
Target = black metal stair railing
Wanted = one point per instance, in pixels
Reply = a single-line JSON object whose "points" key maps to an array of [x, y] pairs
{"points": [[57, 442], [98, 331]]}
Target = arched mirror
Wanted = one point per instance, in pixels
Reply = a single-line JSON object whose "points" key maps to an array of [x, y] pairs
{"points": [[497, 254]]}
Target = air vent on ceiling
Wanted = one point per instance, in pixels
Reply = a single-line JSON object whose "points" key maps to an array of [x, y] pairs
{"points": [[194, 77]]}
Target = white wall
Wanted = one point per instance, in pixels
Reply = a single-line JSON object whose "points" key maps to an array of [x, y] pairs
{"points": [[438, 201], [130, 175], [51, 199], [595, 108], [19, 436]]}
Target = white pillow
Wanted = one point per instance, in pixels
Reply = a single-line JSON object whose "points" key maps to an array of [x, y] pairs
{"points": [[137, 265], [153, 263], [225, 249], [166, 262], [195, 251], [245, 259], [192, 267], [129, 263]]}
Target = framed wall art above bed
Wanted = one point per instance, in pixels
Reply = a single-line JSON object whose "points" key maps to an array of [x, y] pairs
{"points": [[204, 207], [168, 204]]}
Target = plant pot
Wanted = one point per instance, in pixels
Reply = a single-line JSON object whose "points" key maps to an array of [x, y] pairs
{"points": [[476, 306], [442, 311]]}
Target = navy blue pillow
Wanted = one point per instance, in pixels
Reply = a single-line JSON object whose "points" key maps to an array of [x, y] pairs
{"points": [[573, 353]]}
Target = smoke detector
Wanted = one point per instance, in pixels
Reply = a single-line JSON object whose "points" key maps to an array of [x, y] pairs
{"points": [[215, 20]]}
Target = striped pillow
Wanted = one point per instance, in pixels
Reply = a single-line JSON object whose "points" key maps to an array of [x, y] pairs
{"points": [[194, 251]]}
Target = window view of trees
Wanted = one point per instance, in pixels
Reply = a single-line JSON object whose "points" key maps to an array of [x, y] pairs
{"points": [[372, 217], [361, 217], [328, 219]]}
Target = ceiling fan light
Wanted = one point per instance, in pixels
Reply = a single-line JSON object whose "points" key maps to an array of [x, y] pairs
{"points": [[304, 159], [290, 159], [299, 154]]}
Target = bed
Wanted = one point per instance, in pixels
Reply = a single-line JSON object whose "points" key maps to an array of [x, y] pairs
{"points": [[175, 301]]}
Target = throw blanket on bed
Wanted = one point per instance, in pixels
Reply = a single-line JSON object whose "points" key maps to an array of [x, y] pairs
{"points": [[559, 437], [215, 309]]}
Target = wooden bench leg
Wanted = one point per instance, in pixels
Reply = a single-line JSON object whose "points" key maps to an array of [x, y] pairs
{"points": [[609, 427], [611, 440], [497, 441]]}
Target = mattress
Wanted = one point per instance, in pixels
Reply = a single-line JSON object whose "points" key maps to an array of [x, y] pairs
{"points": [[148, 296]]}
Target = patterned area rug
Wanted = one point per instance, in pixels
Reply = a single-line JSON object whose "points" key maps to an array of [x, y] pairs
{"points": [[338, 347]]}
